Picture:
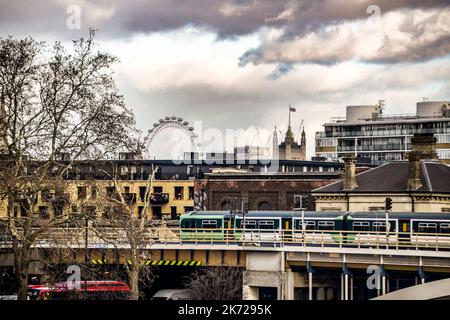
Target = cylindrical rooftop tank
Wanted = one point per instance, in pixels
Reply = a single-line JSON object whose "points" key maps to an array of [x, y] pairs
{"points": [[432, 108], [355, 113]]}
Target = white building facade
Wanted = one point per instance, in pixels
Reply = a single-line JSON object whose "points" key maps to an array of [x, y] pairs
{"points": [[366, 132]]}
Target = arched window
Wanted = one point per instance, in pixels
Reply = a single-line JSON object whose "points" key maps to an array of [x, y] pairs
{"points": [[225, 206], [264, 206]]}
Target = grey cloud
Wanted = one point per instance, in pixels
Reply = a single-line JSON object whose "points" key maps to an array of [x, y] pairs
{"points": [[227, 18], [281, 70], [414, 39]]}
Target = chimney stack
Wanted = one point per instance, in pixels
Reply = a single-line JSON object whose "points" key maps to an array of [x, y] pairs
{"points": [[414, 182], [424, 144], [350, 175]]}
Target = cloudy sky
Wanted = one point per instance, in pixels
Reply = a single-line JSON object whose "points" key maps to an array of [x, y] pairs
{"points": [[238, 64]]}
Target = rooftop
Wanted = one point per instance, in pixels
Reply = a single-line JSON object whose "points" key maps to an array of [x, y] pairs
{"points": [[393, 177]]}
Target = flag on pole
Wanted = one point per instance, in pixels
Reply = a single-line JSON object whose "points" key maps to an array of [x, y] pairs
{"points": [[292, 109]]}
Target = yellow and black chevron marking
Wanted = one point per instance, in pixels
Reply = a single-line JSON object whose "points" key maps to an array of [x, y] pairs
{"points": [[172, 263], [183, 263], [98, 261]]}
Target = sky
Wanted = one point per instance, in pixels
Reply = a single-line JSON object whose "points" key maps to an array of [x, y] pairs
{"points": [[239, 64]]}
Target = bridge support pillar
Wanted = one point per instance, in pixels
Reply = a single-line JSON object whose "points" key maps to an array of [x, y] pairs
{"points": [[310, 280], [288, 285], [267, 272], [422, 275], [346, 284], [351, 287]]}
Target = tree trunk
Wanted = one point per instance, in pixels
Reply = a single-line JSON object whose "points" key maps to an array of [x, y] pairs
{"points": [[133, 276], [21, 263], [23, 284]]}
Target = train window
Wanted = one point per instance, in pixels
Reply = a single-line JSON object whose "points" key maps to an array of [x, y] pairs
{"points": [[266, 224], [209, 224], [379, 226], [325, 225], [189, 224], [249, 224], [427, 228], [445, 227], [361, 226], [309, 225]]}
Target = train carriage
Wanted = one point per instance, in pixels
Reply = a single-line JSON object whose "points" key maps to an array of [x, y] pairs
{"points": [[260, 227], [428, 229], [319, 228], [207, 225], [373, 228]]}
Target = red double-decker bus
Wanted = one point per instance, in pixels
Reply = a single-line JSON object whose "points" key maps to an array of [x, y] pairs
{"points": [[81, 290]]}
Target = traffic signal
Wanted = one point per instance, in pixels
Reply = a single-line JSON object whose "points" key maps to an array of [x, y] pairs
{"points": [[246, 206], [305, 202], [388, 204]]}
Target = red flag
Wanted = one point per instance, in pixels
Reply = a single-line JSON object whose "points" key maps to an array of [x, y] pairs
{"points": [[292, 109]]}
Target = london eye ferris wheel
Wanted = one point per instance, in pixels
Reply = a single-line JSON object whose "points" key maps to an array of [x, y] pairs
{"points": [[170, 139]]}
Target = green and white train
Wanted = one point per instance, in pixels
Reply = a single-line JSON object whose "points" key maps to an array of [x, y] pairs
{"points": [[319, 226]]}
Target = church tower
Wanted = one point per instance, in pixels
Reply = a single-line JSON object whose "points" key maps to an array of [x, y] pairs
{"points": [[289, 149]]}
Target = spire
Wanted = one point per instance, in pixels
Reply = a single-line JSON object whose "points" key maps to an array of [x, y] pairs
{"points": [[275, 151]]}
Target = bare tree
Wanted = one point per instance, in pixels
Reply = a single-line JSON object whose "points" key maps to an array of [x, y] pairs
{"points": [[51, 102], [130, 233], [216, 283]]}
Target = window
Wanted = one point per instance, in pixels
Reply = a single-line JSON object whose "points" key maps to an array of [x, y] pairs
{"points": [[443, 138], [427, 228], [110, 191], [225, 206], [379, 226], [361, 226], [188, 209], [89, 211], [173, 213], [81, 193], [264, 206], [325, 225], [443, 153], [157, 189], [249, 224], [93, 193], [140, 212], [43, 213], [142, 191], [266, 224], [179, 193], [209, 224], [156, 211], [444, 227], [309, 225], [74, 209], [58, 209], [189, 224], [191, 193]]}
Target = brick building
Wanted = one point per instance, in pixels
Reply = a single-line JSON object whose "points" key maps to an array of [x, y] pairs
{"points": [[264, 192]]}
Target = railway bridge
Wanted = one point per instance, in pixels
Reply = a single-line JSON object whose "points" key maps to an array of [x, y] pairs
{"points": [[286, 267]]}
